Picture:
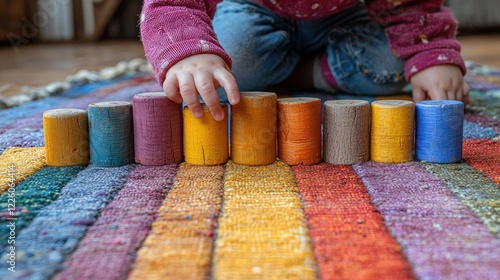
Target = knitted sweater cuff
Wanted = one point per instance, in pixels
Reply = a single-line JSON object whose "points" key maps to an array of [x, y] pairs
{"points": [[430, 58]]}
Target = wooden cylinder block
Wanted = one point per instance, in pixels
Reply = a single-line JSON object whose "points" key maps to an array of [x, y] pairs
{"points": [[439, 131], [299, 133], [157, 129], [111, 133], [392, 131], [253, 129], [205, 139], [66, 137], [346, 131]]}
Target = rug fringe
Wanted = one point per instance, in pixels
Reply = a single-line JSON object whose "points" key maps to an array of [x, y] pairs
{"points": [[27, 93]]}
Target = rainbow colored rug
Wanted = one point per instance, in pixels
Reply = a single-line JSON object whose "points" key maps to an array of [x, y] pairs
{"points": [[367, 221]]}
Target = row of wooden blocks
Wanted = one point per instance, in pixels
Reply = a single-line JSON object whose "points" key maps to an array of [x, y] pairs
{"points": [[152, 130]]}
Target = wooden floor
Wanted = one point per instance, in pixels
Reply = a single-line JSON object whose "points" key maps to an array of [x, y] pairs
{"points": [[483, 49], [38, 65]]}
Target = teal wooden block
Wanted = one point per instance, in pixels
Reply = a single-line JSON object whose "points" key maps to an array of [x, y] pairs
{"points": [[111, 133]]}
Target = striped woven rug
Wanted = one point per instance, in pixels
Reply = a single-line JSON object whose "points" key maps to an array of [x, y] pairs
{"points": [[367, 221]]}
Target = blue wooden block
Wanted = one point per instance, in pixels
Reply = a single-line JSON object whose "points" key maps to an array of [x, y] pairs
{"points": [[439, 131]]}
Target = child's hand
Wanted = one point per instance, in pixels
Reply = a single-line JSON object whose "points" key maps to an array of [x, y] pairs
{"points": [[201, 73], [440, 82]]}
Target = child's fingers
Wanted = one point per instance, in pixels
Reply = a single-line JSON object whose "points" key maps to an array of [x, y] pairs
{"points": [[418, 94], [437, 94], [204, 84], [454, 94], [455, 90], [189, 94], [171, 88], [459, 93], [228, 82], [465, 90]]}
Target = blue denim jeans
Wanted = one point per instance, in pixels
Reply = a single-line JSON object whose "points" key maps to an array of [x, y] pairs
{"points": [[265, 48]]}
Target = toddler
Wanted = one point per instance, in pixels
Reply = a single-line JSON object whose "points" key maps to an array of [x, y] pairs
{"points": [[371, 47]]}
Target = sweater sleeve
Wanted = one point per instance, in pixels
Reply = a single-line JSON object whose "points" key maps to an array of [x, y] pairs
{"points": [[172, 30], [420, 32]]}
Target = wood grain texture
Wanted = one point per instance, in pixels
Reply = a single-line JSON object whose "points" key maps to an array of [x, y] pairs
{"points": [[205, 139], [254, 129], [346, 131], [66, 137], [111, 133], [299, 133], [392, 131], [157, 129]]}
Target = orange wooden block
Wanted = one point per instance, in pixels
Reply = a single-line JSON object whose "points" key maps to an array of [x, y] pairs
{"points": [[299, 136], [253, 129]]}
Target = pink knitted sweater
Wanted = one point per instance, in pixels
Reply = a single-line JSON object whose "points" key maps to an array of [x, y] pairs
{"points": [[421, 32]]}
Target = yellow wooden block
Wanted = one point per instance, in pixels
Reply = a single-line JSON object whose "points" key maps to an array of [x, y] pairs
{"points": [[205, 139], [254, 129], [66, 137], [392, 133]]}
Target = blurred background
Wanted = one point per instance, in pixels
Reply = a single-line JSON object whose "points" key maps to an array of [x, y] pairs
{"points": [[69, 20], [46, 40]]}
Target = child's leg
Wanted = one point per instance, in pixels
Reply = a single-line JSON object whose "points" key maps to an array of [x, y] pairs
{"points": [[260, 43], [359, 60], [354, 56], [266, 49]]}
